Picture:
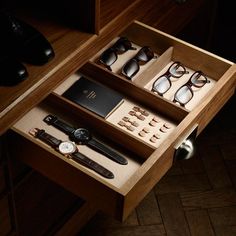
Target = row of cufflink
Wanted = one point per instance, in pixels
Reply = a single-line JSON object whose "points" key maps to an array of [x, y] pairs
{"points": [[132, 124]]}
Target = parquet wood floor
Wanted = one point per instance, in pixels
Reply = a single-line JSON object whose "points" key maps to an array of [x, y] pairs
{"points": [[196, 197]]}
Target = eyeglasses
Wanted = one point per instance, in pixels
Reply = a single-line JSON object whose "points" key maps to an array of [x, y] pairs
{"points": [[131, 67], [110, 55], [185, 93], [163, 83]]}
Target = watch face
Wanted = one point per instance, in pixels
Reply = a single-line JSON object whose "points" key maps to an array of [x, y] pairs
{"points": [[82, 135], [67, 147]]}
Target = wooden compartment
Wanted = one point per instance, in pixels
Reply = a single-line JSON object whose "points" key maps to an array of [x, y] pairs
{"points": [[168, 50], [146, 164], [92, 186]]}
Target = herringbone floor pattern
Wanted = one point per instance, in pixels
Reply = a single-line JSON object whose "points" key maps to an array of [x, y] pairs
{"points": [[196, 197]]}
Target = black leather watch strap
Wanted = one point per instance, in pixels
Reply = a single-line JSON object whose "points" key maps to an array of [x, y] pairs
{"points": [[47, 138], [82, 159], [93, 143], [59, 124], [102, 148], [76, 156]]}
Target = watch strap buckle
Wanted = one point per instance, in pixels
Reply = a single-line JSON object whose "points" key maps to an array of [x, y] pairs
{"points": [[50, 119], [34, 132]]}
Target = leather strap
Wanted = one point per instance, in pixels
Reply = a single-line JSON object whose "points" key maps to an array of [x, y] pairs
{"points": [[82, 159], [102, 148], [76, 156], [47, 138], [93, 143], [59, 124]]}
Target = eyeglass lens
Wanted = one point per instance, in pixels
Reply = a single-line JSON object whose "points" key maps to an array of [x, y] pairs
{"points": [[131, 68], [198, 79], [109, 56], [163, 83], [185, 93]]}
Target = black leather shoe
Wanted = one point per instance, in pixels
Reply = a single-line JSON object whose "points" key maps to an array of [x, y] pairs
{"points": [[12, 72], [23, 40]]}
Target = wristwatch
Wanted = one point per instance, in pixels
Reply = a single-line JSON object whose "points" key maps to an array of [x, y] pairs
{"points": [[83, 136], [70, 150]]}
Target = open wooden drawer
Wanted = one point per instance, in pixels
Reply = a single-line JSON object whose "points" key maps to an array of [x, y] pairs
{"points": [[147, 161]]}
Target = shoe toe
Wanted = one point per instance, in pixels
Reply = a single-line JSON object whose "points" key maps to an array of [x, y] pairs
{"points": [[12, 73], [24, 41], [37, 51]]}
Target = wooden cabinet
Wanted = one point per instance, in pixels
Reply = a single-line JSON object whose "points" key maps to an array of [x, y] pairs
{"points": [[25, 106], [140, 175]]}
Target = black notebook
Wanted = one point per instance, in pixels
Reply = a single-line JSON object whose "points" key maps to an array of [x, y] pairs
{"points": [[93, 96]]}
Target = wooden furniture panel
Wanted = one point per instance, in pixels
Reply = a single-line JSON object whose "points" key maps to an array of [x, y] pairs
{"points": [[18, 171], [2, 180], [110, 10], [42, 199], [5, 220], [77, 220], [3, 184], [78, 14], [181, 14]]}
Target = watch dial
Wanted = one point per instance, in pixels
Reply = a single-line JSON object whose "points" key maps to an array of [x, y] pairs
{"points": [[67, 147], [82, 135]]}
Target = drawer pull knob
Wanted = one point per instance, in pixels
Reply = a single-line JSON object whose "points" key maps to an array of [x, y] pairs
{"points": [[186, 149]]}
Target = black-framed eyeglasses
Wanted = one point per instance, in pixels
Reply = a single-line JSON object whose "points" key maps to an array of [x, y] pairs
{"points": [[163, 83], [185, 93], [131, 67], [110, 55]]}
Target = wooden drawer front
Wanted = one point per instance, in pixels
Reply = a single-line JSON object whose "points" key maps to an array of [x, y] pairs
{"points": [[147, 162], [117, 201]]}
